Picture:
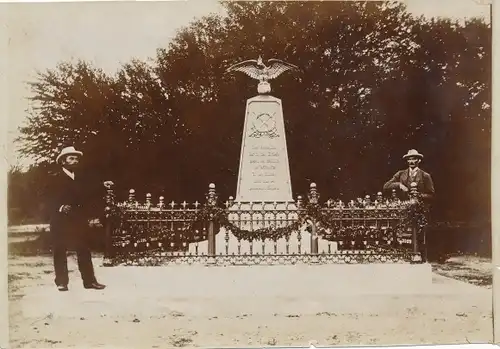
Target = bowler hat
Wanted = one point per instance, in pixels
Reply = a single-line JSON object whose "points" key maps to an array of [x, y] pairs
{"points": [[68, 151]]}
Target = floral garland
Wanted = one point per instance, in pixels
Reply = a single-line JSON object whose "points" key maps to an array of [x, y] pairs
{"points": [[414, 215], [219, 216], [417, 213], [162, 238], [261, 234], [142, 237], [328, 227], [359, 232]]}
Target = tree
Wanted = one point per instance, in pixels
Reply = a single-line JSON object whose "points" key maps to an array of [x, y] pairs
{"points": [[441, 105], [115, 121], [375, 82], [341, 48], [26, 195]]}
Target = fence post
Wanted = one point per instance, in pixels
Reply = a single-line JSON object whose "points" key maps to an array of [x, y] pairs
{"points": [[415, 228], [313, 200], [211, 202], [394, 196], [108, 222]]}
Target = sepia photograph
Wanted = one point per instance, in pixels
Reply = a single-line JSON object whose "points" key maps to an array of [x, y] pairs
{"points": [[249, 173]]}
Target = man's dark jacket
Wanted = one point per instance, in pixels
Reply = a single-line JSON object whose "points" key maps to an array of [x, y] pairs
{"points": [[425, 185], [82, 194]]}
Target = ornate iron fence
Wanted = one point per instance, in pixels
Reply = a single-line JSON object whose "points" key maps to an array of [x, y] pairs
{"points": [[244, 233]]}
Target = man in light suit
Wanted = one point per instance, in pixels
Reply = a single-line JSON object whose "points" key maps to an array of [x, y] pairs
{"points": [[69, 223], [402, 179]]}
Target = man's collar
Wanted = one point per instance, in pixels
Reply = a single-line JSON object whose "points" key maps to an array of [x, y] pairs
{"points": [[69, 173]]}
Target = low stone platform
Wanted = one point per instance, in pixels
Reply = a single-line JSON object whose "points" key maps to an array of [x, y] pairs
{"points": [[198, 280], [193, 283], [244, 306]]}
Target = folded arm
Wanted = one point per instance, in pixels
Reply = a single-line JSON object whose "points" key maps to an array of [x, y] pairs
{"points": [[394, 183]]}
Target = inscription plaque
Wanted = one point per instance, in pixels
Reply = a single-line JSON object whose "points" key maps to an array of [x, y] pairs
{"points": [[264, 173]]}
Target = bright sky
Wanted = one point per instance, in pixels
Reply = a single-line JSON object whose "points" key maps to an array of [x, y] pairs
{"points": [[108, 34]]}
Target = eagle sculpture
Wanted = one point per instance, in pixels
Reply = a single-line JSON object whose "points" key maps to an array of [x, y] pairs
{"points": [[256, 69]]}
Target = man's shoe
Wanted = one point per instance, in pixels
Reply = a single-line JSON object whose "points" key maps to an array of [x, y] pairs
{"points": [[62, 287], [95, 286]]}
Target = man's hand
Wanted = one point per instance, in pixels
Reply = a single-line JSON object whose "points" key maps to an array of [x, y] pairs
{"points": [[403, 187], [65, 208]]}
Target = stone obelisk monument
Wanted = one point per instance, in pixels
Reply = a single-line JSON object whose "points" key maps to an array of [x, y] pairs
{"points": [[264, 173]]}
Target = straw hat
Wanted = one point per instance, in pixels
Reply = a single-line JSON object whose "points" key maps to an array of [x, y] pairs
{"points": [[68, 151], [413, 152]]}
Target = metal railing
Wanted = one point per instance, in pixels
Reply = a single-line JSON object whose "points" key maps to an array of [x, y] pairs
{"points": [[363, 230]]}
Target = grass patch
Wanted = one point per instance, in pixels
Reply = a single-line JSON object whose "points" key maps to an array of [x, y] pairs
{"points": [[468, 269]]}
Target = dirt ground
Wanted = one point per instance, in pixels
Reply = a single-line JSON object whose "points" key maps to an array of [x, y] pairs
{"points": [[459, 311]]}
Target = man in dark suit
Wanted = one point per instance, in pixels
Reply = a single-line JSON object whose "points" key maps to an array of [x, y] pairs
{"points": [[402, 179], [69, 223], [425, 187]]}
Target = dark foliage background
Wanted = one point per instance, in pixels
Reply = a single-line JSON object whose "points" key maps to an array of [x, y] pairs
{"points": [[375, 82]]}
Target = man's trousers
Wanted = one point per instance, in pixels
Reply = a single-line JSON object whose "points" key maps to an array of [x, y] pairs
{"points": [[71, 233]]}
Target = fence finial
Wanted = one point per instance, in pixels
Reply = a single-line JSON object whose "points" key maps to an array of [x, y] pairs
{"points": [[109, 192], [161, 203], [313, 194], [212, 195], [368, 200], [109, 198], [413, 188], [299, 201], [148, 199], [413, 191], [131, 196]]}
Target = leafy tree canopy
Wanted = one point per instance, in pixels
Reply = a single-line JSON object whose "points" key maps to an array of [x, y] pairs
{"points": [[374, 82]]}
